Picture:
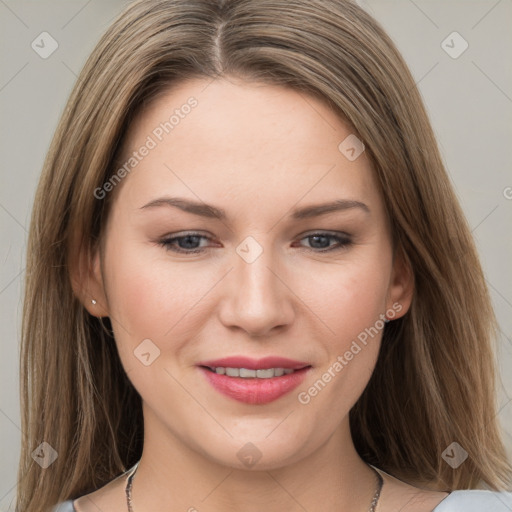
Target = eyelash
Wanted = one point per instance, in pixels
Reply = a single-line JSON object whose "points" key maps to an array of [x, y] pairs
{"points": [[344, 242]]}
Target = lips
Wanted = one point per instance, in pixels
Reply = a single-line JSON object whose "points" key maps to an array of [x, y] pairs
{"points": [[254, 390]]}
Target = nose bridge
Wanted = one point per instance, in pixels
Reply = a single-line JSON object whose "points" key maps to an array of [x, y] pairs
{"points": [[257, 282], [259, 300], [253, 268]]}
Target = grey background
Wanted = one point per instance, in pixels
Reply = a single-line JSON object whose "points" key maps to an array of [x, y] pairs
{"points": [[469, 100]]}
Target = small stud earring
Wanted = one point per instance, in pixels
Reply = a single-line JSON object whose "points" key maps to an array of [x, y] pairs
{"points": [[93, 301]]}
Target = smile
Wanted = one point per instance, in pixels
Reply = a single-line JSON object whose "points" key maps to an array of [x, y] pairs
{"points": [[254, 387]]}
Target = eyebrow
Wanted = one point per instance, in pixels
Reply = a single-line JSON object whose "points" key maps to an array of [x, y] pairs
{"points": [[213, 212]]}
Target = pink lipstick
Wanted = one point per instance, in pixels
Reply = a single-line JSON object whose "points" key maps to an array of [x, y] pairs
{"points": [[254, 381]]}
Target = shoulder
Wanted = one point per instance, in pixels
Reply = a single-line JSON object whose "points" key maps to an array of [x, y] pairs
{"points": [[65, 506], [398, 495], [476, 500]]}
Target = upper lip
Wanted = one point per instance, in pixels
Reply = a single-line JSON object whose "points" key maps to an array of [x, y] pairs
{"points": [[254, 364]]}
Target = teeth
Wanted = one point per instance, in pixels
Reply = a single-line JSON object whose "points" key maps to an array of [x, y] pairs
{"points": [[232, 372], [245, 373]]}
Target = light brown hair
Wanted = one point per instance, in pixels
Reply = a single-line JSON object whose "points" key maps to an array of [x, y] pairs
{"points": [[434, 382]]}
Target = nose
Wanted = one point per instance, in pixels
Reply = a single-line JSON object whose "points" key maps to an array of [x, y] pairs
{"points": [[257, 298]]}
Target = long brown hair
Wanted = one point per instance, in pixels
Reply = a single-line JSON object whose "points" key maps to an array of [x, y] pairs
{"points": [[434, 382]]}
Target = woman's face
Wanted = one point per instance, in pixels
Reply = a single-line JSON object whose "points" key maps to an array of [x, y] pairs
{"points": [[248, 278]]}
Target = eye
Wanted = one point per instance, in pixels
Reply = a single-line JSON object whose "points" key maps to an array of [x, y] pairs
{"points": [[321, 239], [188, 243]]}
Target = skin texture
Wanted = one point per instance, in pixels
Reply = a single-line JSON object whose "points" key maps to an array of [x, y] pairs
{"points": [[256, 151]]}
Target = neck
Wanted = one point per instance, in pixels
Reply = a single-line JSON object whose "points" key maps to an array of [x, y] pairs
{"points": [[173, 476]]}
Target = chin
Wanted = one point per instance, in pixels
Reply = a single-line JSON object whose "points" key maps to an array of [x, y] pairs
{"points": [[258, 455]]}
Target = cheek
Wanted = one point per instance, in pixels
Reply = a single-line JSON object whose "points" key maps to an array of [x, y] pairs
{"points": [[349, 297], [357, 298], [148, 298], [356, 301]]}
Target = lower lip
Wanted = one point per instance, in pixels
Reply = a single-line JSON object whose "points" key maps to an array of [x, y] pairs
{"points": [[254, 390]]}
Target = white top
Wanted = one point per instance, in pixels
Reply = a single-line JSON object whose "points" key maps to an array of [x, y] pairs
{"points": [[65, 506], [476, 500], [457, 501]]}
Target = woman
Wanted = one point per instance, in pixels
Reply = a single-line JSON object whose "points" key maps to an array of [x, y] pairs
{"points": [[250, 283]]}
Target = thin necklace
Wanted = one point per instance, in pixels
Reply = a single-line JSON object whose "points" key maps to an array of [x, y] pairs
{"points": [[373, 505]]}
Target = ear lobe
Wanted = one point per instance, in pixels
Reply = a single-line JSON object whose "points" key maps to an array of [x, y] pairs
{"points": [[87, 281], [401, 286]]}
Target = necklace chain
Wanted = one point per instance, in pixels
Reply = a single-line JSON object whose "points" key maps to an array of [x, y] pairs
{"points": [[373, 504]]}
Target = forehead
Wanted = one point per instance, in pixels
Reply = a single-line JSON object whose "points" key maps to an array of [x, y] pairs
{"points": [[243, 141]]}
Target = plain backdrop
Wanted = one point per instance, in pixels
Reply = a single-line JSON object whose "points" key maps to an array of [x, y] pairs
{"points": [[468, 95]]}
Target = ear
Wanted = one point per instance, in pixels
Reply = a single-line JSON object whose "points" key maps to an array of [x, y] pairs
{"points": [[401, 285], [87, 280]]}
